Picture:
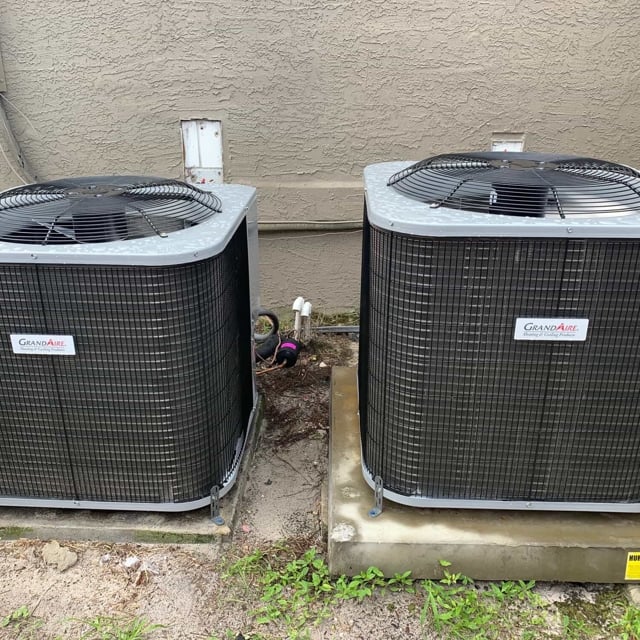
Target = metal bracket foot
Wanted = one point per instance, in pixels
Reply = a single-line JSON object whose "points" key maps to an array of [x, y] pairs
{"points": [[216, 518], [376, 510]]}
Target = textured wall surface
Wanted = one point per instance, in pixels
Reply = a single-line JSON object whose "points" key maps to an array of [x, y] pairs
{"points": [[7, 177], [323, 268], [310, 92]]}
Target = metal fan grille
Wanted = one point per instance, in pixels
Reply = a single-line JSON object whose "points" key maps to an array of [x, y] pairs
{"points": [[522, 184], [101, 209], [453, 408], [153, 405]]}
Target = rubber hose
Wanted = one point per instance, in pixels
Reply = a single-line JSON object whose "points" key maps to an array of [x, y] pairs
{"points": [[275, 325], [267, 348]]}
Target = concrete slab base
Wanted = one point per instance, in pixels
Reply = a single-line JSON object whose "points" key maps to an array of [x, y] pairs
{"points": [[485, 545], [130, 526]]}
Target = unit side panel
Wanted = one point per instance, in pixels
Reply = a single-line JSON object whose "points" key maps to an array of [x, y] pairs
{"points": [[457, 409], [34, 458]]}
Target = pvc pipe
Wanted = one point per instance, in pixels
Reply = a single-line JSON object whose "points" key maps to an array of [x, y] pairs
{"points": [[298, 303]]}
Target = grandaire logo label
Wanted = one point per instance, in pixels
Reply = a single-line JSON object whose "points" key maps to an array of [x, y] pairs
{"points": [[43, 345], [559, 329], [530, 326]]}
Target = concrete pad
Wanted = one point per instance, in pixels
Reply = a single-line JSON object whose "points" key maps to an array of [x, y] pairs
{"points": [[130, 526], [485, 545]]}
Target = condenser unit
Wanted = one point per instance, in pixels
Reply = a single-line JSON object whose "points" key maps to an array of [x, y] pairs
{"points": [[500, 332], [126, 373]]}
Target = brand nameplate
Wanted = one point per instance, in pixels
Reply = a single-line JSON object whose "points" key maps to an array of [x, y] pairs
{"points": [[551, 329], [43, 345]]}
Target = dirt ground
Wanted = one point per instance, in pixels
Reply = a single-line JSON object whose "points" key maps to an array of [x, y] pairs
{"points": [[185, 588]]}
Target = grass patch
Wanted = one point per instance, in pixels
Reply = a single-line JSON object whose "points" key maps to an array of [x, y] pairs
{"points": [[13, 533], [455, 607], [168, 537], [319, 318], [584, 619], [337, 319], [109, 628], [629, 623], [21, 624], [297, 593], [293, 593]]}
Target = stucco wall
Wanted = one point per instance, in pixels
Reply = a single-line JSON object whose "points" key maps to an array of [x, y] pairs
{"points": [[311, 92], [7, 178]]}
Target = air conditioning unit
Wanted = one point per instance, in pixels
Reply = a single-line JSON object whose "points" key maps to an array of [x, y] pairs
{"points": [[126, 322], [500, 332]]}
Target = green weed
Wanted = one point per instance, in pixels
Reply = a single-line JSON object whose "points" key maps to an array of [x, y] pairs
{"points": [[15, 617], [232, 635], [108, 628], [456, 607], [296, 593], [574, 629], [247, 565], [299, 592], [629, 624], [22, 623]]}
